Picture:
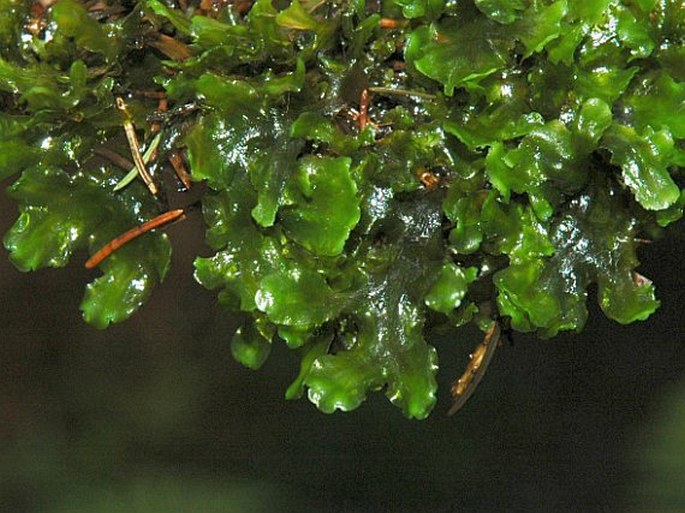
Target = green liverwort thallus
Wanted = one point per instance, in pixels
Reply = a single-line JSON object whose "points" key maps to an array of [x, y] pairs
{"points": [[371, 169]]}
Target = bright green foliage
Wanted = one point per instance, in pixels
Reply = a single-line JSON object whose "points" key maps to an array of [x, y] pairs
{"points": [[657, 100], [72, 20], [593, 243], [502, 11], [430, 9], [61, 214], [294, 297], [450, 288], [644, 161], [249, 346], [296, 17], [460, 42], [381, 327], [322, 205], [514, 152]]}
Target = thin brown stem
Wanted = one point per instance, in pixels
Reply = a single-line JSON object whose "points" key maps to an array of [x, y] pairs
{"points": [[114, 157], [133, 143], [464, 387], [171, 47], [401, 92], [133, 233], [179, 166], [363, 118], [152, 95]]}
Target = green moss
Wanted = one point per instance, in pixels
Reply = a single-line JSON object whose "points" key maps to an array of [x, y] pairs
{"points": [[513, 153]]}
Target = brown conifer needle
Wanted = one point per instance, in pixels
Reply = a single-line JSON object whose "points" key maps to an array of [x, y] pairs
{"points": [[179, 167], [464, 387], [126, 237], [391, 23], [363, 119], [133, 143]]}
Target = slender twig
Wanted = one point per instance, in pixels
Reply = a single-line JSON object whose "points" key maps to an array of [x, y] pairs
{"points": [[125, 238], [135, 147], [363, 118], [153, 95], [147, 157], [179, 167], [113, 156], [475, 370], [402, 92]]}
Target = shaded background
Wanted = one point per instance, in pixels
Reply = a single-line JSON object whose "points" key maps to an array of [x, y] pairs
{"points": [[153, 415]]}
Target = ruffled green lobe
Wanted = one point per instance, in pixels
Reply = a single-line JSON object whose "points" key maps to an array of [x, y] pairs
{"points": [[61, 214]]}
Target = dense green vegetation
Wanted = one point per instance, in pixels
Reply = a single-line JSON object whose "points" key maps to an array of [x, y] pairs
{"points": [[515, 153]]}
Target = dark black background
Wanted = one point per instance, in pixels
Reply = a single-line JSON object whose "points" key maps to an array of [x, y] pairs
{"points": [[154, 415]]}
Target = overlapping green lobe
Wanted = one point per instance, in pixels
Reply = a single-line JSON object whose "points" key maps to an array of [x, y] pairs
{"points": [[322, 205], [473, 48], [249, 345], [388, 349], [644, 162], [60, 214], [72, 20], [450, 288], [594, 242], [502, 11], [430, 9], [551, 133]]}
